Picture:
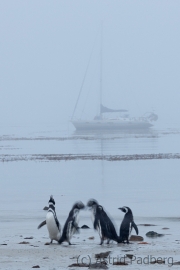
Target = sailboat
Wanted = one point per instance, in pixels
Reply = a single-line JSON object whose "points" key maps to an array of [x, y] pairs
{"points": [[117, 123], [103, 123]]}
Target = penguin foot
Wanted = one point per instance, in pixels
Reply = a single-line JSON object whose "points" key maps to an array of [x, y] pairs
{"points": [[61, 240], [119, 241], [71, 244], [102, 241], [108, 242]]}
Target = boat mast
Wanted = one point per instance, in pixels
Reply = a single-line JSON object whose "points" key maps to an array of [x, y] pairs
{"points": [[101, 57], [81, 86], [83, 80]]}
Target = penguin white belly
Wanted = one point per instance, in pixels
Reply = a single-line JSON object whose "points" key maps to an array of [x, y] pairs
{"points": [[93, 212], [130, 229], [54, 233], [70, 231], [77, 219], [92, 217], [99, 229]]}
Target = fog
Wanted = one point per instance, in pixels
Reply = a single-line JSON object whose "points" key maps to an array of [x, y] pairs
{"points": [[46, 45]]}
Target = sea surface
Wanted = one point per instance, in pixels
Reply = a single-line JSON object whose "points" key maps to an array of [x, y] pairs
{"points": [[136, 169]]}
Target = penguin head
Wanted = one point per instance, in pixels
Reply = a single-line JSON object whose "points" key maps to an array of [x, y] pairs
{"points": [[51, 200], [125, 209], [79, 205], [99, 209], [92, 203]]}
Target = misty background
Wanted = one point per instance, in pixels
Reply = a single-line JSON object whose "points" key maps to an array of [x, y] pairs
{"points": [[45, 48]]}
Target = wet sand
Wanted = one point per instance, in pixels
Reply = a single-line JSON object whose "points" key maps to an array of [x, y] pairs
{"points": [[34, 252]]}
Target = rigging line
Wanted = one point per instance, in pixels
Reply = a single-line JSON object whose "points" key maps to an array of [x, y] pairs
{"points": [[90, 87], [101, 71], [83, 79], [86, 98]]}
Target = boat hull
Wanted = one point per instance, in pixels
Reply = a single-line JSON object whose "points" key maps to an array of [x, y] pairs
{"points": [[111, 125]]}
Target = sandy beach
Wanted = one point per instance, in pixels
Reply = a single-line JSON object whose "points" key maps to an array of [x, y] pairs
{"points": [[22, 246]]}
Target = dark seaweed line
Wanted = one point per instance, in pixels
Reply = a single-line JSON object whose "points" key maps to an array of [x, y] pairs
{"points": [[60, 157], [86, 138]]}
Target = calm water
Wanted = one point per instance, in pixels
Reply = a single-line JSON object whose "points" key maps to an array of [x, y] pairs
{"points": [[149, 187]]}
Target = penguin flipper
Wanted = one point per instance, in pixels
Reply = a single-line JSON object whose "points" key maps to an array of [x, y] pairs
{"points": [[135, 227], [95, 223], [75, 225], [42, 224], [112, 232], [77, 230]]}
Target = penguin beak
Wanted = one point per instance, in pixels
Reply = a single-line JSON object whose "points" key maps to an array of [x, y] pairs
{"points": [[120, 208]]}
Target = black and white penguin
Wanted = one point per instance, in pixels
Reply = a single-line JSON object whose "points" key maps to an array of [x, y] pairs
{"points": [[102, 222], [52, 222], [92, 204], [127, 225], [71, 224]]}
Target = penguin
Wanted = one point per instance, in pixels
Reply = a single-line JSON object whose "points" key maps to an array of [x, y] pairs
{"points": [[92, 204], [52, 222], [102, 222], [71, 224], [127, 225]]}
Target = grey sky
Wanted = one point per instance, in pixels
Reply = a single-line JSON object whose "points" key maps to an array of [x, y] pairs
{"points": [[45, 47]]}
